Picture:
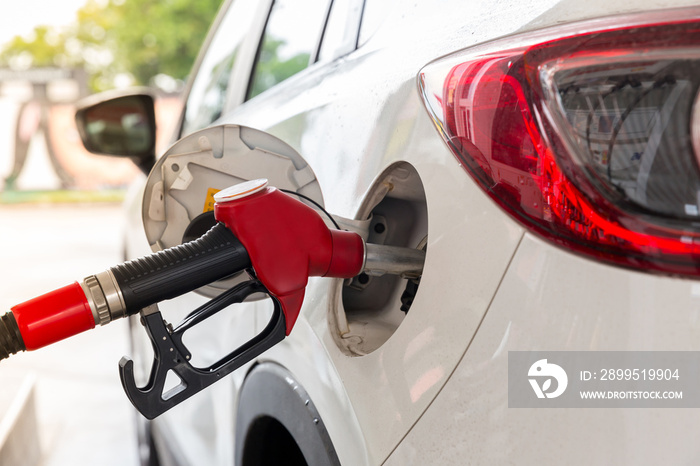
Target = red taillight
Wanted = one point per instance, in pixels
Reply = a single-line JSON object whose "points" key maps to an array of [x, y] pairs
{"points": [[585, 138]]}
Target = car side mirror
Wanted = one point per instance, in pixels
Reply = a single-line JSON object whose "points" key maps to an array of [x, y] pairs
{"points": [[121, 125]]}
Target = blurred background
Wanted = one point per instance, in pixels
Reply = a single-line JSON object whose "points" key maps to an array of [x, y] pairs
{"points": [[60, 206]]}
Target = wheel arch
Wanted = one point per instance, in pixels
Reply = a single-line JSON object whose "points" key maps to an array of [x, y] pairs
{"points": [[276, 419]]}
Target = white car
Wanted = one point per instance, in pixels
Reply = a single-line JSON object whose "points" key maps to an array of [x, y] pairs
{"points": [[544, 153]]}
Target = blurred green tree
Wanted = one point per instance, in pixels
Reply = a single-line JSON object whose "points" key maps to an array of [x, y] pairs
{"points": [[120, 41]]}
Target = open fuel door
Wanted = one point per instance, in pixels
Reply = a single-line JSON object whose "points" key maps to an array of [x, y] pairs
{"points": [[179, 197]]}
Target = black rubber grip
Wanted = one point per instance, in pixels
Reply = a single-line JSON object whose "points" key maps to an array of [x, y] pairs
{"points": [[10, 339], [178, 270]]}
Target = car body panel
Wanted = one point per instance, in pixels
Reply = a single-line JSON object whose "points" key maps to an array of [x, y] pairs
{"points": [[553, 300]]}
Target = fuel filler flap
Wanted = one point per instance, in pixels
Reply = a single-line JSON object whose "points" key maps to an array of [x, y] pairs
{"points": [[178, 200]]}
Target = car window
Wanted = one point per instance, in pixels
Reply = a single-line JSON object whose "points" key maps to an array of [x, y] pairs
{"points": [[289, 42], [340, 35], [374, 14], [207, 97]]}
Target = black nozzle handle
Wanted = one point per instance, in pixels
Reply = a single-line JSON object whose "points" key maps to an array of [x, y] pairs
{"points": [[178, 270]]}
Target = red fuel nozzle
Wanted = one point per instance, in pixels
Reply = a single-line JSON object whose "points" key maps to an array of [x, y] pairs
{"points": [[287, 241], [283, 239]]}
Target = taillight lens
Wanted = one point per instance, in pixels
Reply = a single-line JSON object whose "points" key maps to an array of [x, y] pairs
{"points": [[586, 139]]}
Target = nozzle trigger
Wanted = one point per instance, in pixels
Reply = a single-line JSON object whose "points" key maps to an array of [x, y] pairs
{"points": [[171, 354]]}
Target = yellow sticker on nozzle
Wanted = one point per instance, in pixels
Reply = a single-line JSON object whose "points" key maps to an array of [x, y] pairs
{"points": [[209, 201]]}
